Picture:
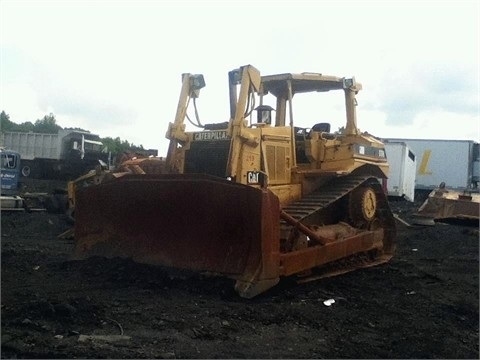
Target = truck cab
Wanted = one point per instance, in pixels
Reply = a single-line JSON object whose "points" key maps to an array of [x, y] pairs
{"points": [[10, 171]]}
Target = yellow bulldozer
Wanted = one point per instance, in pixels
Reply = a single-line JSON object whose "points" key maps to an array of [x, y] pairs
{"points": [[255, 198]]}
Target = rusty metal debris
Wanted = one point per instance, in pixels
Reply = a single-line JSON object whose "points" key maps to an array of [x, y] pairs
{"points": [[446, 204]]}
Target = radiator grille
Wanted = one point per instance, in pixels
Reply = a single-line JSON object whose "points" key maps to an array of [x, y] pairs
{"points": [[207, 157], [276, 157]]}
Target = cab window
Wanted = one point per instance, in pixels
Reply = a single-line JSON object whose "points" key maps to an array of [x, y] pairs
{"points": [[9, 161]]}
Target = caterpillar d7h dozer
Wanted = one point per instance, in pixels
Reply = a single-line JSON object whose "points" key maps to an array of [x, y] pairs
{"points": [[250, 199]]}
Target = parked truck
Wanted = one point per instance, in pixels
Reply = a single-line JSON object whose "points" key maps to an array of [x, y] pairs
{"points": [[65, 155], [11, 199], [452, 162], [10, 173], [401, 180]]}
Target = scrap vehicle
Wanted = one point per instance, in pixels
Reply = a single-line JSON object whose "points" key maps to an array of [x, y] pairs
{"points": [[128, 162], [65, 155], [254, 199], [447, 204]]}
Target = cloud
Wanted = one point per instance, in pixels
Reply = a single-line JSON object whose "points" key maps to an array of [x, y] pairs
{"points": [[451, 88], [63, 101], [114, 67], [45, 91]]}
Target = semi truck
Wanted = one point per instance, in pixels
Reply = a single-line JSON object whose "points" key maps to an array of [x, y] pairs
{"points": [[452, 162], [65, 155]]}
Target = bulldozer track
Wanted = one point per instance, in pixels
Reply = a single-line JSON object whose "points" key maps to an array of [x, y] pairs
{"points": [[326, 196], [322, 198]]}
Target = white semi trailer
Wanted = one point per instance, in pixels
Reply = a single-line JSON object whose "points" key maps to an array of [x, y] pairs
{"points": [[453, 162], [401, 179]]}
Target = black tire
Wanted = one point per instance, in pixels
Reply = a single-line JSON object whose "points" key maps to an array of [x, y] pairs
{"points": [[26, 171], [31, 169]]}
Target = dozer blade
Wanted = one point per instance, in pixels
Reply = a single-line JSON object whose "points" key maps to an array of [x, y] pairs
{"points": [[195, 222], [447, 204]]}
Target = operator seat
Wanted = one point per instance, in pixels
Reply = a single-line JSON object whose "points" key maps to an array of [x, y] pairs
{"points": [[320, 127]]}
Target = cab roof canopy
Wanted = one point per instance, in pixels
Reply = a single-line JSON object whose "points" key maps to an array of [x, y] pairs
{"points": [[301, 83]]}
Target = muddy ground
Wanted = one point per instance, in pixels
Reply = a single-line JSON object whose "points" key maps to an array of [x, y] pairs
{"points": [[423, 304]]}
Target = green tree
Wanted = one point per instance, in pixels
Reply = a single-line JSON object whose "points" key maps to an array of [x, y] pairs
{"points": [[25, 127], [47, 125], [5, 123], [113, 145], [4, 116], [118, 146]]}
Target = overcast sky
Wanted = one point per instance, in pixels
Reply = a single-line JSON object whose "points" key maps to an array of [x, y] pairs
{"points": [[114, 67]]}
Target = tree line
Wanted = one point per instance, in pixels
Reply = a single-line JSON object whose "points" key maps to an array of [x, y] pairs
{"points": [[48, 125]]}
